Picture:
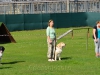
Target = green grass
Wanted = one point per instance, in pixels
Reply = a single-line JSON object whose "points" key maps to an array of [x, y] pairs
{"points": [[28, 55]]}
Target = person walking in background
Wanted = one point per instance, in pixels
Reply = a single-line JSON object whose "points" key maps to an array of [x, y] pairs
{"points": [[96, 37], [51, 40]]}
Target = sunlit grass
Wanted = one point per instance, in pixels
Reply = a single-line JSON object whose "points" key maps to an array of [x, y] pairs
{"points": [[28, 55]]}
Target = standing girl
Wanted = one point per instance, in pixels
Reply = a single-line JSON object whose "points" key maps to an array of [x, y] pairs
{"points": [[51, 40], [96, 37]]}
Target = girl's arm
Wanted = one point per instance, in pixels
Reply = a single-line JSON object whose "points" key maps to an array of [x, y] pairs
{"points": [[48, 35], [94, 30], [49, 40]]}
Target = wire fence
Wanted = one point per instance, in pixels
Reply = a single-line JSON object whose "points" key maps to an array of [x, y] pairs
{"points": [[48, 6]]}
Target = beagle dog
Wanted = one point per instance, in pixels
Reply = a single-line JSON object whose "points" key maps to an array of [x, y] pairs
{"points": [[58, 51]]}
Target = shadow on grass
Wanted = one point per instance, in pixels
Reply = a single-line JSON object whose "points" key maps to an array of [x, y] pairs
{"points": [[13, 62], [66, 58], [5, 67]]}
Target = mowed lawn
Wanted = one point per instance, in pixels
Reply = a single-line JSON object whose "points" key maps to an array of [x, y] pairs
{"points": [[29, 55]]}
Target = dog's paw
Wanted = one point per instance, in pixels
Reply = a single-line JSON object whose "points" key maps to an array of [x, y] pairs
{"points": [[59, 59]]}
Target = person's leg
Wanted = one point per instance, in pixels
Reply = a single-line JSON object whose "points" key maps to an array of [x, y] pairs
{"points": [[49, 53], [96, 48], [99, 47], [53, 49]]}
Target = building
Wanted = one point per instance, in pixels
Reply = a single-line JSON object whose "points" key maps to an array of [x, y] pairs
{"points": [[48, 6]]}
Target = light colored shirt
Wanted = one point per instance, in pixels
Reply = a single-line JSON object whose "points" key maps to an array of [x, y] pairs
{"points": [[98, 32], [51, 32]]}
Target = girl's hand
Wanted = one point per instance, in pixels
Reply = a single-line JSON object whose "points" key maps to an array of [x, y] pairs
{"points": [[50, 41], [96, 40]]}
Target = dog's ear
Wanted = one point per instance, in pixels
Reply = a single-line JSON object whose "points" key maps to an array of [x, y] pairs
{"points": [[2, 48], [59, 45]]}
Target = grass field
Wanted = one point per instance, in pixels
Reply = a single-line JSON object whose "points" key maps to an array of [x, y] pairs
{"points": [[28, 55]]}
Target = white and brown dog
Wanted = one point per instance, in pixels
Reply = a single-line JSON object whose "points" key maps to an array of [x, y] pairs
{"points": [[58, 51], [1, 52]]}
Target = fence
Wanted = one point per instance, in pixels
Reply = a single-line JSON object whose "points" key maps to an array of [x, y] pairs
{"points": [[48, 6], [40, 21]]}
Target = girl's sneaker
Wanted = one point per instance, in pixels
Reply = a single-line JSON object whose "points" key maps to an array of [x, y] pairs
{"points": [[49, 59], [53, 60]]}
